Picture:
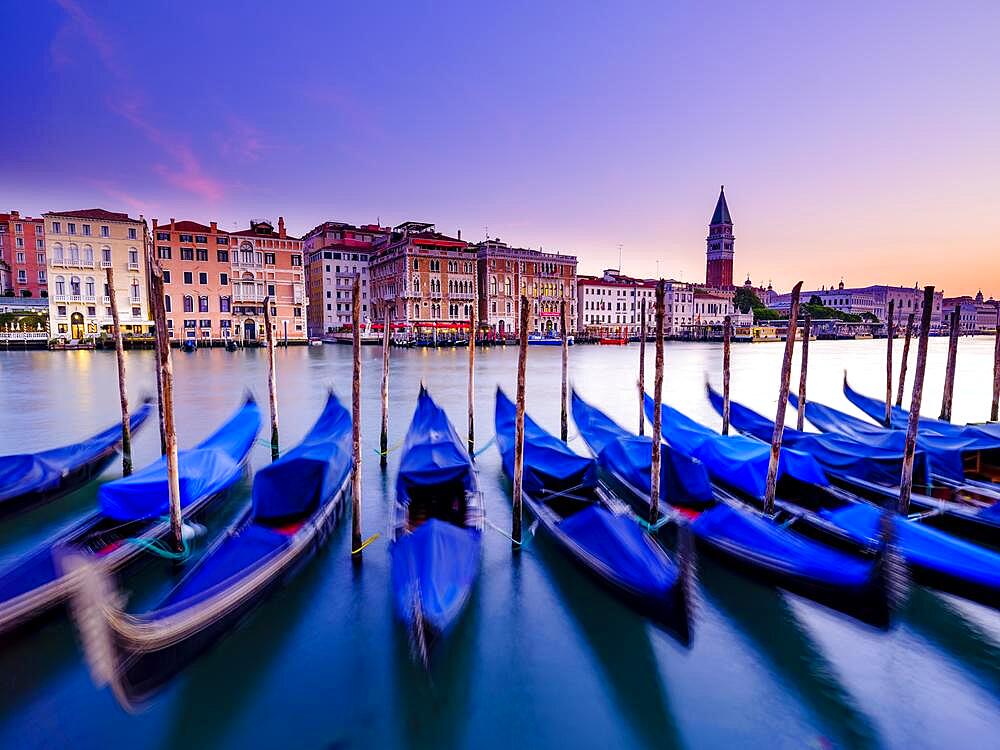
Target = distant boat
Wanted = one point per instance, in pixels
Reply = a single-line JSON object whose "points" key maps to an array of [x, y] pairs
{"points": [[297, 501], [548, 339], [31, 479], [132, 514], [231, 345], [437, 528], [189, 345], [611, 341]]}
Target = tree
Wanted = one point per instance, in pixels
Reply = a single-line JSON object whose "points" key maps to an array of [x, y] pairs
{"points": [[745, 300]]}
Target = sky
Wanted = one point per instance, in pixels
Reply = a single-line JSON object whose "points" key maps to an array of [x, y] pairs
{"points": [[857, 141]]}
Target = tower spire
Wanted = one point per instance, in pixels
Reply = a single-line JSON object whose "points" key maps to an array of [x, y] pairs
{"points": [[719, 246], [721, 215]]}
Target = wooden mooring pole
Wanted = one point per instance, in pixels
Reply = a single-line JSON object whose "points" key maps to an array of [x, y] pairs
{"points": [[272, 389], [654, 476], [383, 441], [800, 419], [727, 342], [996, 374], [122, 389], [159, 378], [522, 356], [910, 447], [641, 383], [166, 370], [949, 373], [564, 398], [890, 333], [902, 364], [779, 420], [472, 378], [356, 420]]}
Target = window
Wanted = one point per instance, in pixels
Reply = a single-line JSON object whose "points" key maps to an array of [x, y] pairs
{"points": [[188, 277], [71, 228], [74, 286], [166, 276], [166, 302], [204, 323], [270, 291], [202, 278], [269, 259], [221, 241], [187, 253], [19, 257], [188, 304], [224, 279], [88, 255], [57, 227], [201, 254], [105, 231], [135, 290], [86, 230], [224, 303], [60, 286], [88, 287], [19, 242], [106, 254], [189, 323], [201, 239], [41, 278], [133, 257], [296, 260], [131, 233], [203, 304], [162, 251], [223, 256], [22, 276], [74, 254], [39, 244]]}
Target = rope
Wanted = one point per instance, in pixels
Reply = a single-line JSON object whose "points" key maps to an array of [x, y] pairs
{"points": [[159, 548], [478, 453], [389, 450], [505, 535], [366, 542], [653, 527]]}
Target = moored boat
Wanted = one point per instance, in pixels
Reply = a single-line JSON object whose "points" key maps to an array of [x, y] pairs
{"points": [[437, 528], [132, 513], [765, 548], [595, 529], [31, 479], [548, 339], [297, 500]]}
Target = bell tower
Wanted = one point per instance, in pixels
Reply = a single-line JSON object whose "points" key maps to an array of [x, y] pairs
{"points": [[719, 246]]}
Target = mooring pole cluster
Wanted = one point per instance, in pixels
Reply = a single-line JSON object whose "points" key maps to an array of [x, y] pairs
{"points": [[654, 478], [910, 447]]}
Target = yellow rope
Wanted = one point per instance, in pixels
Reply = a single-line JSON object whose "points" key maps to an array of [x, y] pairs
{"points": [[366, 542]]}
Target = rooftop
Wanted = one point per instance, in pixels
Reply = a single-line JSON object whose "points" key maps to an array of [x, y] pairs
{"points": [[98, 214]]}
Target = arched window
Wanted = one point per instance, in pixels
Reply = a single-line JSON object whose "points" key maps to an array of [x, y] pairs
{"points": [[57, 252], [416, 283], [106, 254], [203, 304], [74, 286], [60, 286], [507, 286], [135, 290], [88, 254], [74, 254], [188, 303], [88, 287], [493, 285], [416, 309]]}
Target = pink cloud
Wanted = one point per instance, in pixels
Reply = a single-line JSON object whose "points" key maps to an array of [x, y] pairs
{"points": [[184, 171], [243, 141]]}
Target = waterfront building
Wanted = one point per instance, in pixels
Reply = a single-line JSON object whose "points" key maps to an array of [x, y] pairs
{"points": [[505, 273], [987, 314], [976, 315], [267, 264], [23, 270], [711, 308], [335, 252], [611, 304], [79, 246], [424, 279], [873, 299], [720, 246]]}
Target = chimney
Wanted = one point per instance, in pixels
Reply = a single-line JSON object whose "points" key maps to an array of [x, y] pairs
{"points": [[172, 222], [15, 214], [215, 226], [281, 226], [154, 224], [459, 234]]}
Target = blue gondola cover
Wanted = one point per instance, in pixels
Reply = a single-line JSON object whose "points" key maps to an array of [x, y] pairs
{"points": [[204, 471], [25, 473], [296, 483], [432, 451]]}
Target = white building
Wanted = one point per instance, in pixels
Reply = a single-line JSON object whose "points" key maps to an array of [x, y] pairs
{"points": [[611, 304]]}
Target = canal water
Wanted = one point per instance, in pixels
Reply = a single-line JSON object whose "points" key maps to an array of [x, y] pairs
{"points": [[542, 658]]}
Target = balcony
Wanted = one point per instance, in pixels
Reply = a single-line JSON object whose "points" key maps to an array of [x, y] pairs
{"points": [[60, 297], [105, 264], [461, 295], [76, 298], [244, 296], [89, 298], [107, 299], [133, 265]]}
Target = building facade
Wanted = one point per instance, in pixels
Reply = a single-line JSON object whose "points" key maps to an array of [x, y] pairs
{"points": [[976, 315], [611, 305], [335, 252], [720, 244], [23, 271], [506, 273], [872, 299], [423, 279], [80, 246], [711, 308]]}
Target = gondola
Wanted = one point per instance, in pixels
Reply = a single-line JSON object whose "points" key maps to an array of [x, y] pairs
{"points": [[28, 480], [594, 528], [437, 530], [872, 467], [955, 502], [768, 549], [297, 501], [933, 557], [132, 512]]}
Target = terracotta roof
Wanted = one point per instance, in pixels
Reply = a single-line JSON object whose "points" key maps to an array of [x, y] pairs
{"points": [[260, 235], [95, 213], [188, 226]]}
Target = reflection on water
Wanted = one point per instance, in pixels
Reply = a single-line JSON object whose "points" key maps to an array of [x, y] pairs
{"points": [[543, 657]]}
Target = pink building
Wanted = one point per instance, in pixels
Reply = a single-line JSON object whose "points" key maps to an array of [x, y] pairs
{"points": [[22, 256]]}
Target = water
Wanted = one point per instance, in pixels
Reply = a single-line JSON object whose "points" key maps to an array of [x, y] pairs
{"points": [[542, 658]]}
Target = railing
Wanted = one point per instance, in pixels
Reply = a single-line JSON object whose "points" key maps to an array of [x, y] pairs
{"points": [[24, 336], [247, 296], [59, 297], [106, 264], [133, 265], [89, 298], [461, 295], [107, 299], [75, 298]]}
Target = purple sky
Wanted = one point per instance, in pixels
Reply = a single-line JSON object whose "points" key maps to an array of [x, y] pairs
{"points": [[854, 141]]}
